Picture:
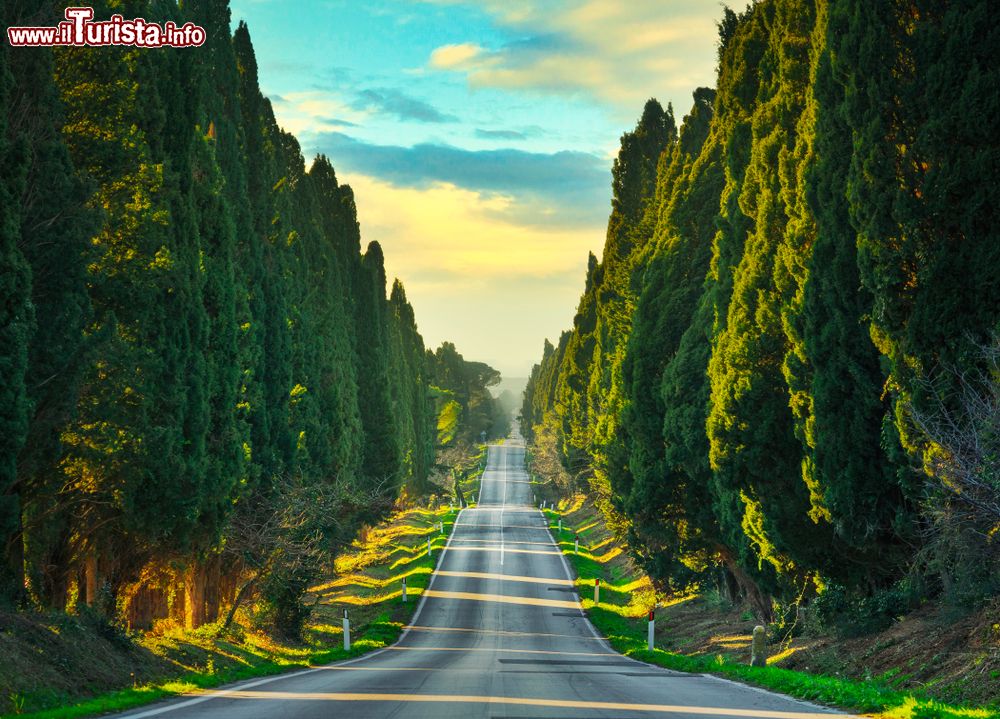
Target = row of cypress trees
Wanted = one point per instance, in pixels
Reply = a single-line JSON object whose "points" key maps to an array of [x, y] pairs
{"points": [[782, 278], [187, 325]]}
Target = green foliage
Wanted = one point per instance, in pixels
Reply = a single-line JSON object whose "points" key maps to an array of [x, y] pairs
{"points": [[853, 613], [447, 425], [466, 409]]}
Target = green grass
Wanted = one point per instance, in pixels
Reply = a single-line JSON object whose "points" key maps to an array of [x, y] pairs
{"points": [[620, 619], [367, 584]]}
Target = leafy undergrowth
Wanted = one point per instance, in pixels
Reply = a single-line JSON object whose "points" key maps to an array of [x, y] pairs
{"points": [[58, 665], [470, 475], [707, 637], [460, 470]]}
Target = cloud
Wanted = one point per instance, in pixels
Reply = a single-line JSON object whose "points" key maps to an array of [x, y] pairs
{"points": [[568, 189], [313, 111], [500, 134], [615, 52], [394, 102], [337, 122], [449, 57]]}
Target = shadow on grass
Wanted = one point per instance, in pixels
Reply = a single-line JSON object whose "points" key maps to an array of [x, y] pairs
{"points": [[205, 661]]}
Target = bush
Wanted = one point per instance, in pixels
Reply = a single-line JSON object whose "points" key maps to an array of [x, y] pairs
{"points": [[109, 628], [853, 613], [282, 605]]}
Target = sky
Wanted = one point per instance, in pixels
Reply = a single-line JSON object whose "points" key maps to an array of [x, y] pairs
{"points": [[478, 136]]}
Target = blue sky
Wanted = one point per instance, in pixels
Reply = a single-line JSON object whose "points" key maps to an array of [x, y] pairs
{"points": [[479, 137]]}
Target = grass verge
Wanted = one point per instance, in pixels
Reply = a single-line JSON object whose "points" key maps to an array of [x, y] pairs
{"points": [[626, 597], [367, 583]]}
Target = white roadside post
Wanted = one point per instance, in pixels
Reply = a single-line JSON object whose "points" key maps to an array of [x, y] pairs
{"points": [[441, 527], [429, 547], [597, 591], [404, 590], [576, 544], [652, 625], [347, 632], [560, 525]]}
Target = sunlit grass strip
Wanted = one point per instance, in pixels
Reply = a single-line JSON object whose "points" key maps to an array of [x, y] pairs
{"points": [[626, 633]]}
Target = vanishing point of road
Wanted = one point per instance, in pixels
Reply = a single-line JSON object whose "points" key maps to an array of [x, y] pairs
{"points": [[499, 633]]}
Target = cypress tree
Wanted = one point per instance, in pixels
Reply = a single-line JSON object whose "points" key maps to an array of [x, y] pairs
{"points": [[832, 367], [654, 494], [332, 363], [412, 399], [381, 459], [630, 229], [753, 449], [53, 238], [16, 326]]}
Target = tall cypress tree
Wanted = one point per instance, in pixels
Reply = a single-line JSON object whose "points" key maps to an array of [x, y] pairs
{"points": [[381, 460], [333, 362], [754, 452], [54, 239], [412, 399], [16, 326], [832, 367], [654, 494], [630, 229]]}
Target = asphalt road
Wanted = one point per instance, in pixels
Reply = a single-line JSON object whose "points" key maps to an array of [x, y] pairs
{"points": [[499, 633]]}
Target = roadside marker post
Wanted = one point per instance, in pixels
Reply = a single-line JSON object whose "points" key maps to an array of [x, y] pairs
{"points": [[652, 625], [597, 591], [560, 525], [347, 632], [576, 544], [404, 590], [758, 647], [429, 547], [441, 527]]}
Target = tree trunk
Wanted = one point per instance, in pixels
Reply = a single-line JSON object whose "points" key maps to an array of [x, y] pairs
{"points": [[15, 560], [760, 602], [240, 596], [90, 579], [194, 596], [212, 589]]}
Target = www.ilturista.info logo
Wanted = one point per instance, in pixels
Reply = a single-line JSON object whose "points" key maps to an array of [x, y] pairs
{"points": [[80, 29]]}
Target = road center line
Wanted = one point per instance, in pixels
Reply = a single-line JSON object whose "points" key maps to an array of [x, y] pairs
{"points": [[503, 503], [537, 702]]}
